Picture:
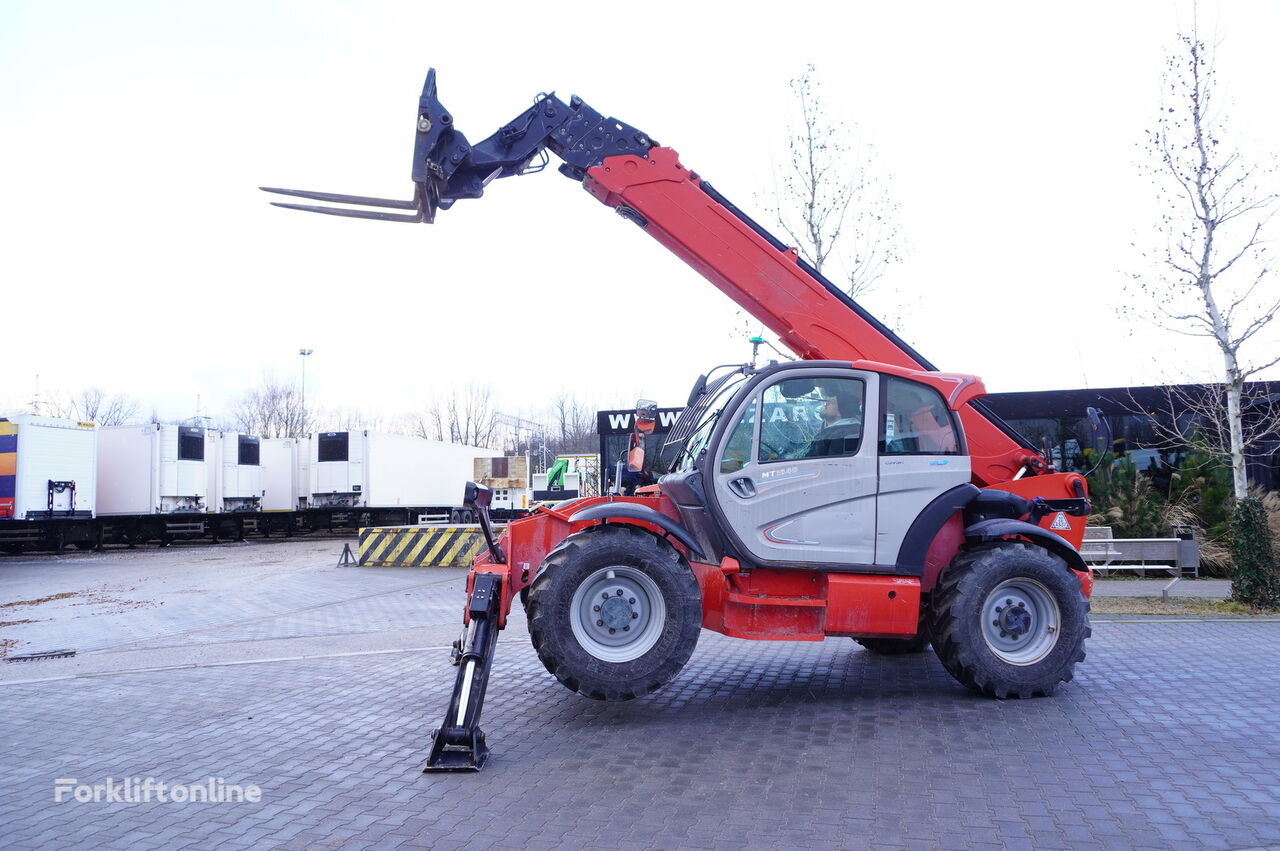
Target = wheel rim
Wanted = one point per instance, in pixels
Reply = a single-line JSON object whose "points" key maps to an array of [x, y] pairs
{"points": [[617, 614], [1021, 621]]}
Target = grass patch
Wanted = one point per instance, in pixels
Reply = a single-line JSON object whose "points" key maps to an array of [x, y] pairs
{"points": [[1201, 606]]}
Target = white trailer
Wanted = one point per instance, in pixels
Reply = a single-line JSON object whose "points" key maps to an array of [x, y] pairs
{"points": [[155, 469], [238, 474], [368, 469], [48, 468], [286, 476]]}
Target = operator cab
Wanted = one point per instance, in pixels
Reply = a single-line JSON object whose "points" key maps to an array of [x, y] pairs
{"points": [[817, 464]]}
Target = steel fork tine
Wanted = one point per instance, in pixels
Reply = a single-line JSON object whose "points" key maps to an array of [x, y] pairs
{"points": [[343, 199], [354, 214]]}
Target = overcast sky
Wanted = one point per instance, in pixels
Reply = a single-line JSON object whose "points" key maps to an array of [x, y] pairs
{"points": [[140, 257]]}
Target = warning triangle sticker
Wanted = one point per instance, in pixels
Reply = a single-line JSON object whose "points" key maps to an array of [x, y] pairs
{"points": [[1060, 521]]}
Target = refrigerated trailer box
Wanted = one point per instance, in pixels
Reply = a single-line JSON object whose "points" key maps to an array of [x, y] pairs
{"points": [[237, 485], [360, 469], [286, 479], [48, 468], [155, 469]]}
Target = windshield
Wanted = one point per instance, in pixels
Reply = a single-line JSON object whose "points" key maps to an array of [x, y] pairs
{"points": [[691, 433]]}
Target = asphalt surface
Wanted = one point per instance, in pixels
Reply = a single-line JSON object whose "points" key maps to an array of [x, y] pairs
{"points": [[264, 665]]}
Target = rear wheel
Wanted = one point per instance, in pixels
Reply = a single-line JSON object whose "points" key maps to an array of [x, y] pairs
{"points": [[614, 613], [1009, 620]]}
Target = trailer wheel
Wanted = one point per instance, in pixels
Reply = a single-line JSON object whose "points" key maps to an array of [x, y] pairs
{"points": [[1009, 620], [614, 613]]}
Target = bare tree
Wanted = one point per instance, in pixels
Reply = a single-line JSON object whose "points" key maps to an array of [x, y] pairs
{"points": [[833, 203], [93, 404], [1213, 277], [347, 418], [573, 426], [272, 409], [467, 415]]}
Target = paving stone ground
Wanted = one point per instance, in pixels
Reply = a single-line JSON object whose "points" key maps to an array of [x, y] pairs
{"points": [[1168, 738]]}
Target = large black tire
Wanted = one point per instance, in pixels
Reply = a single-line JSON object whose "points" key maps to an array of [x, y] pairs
{"points": [[614, 613], [1009, 620]]}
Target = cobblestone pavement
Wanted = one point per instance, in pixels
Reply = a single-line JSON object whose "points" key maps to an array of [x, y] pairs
{"points": [[319, 685]]}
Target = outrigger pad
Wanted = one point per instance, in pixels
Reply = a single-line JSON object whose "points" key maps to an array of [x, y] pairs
{"points": [[469, 755]]}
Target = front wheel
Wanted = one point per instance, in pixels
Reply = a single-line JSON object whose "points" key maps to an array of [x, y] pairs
{"points": [[614, 613], [1009, 620]]}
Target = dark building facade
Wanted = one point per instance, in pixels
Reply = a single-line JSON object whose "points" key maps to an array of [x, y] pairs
{"points": [[1144, 422]]}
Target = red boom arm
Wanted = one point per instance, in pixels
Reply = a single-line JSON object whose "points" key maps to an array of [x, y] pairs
{"points": [[766, 280]]}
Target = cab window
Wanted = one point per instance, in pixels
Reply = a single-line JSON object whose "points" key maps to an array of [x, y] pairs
{"points": [[737, 450], [811, 418], [916, 421]]}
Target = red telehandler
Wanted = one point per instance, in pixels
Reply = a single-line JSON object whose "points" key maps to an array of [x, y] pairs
{"points": [[855, 492]]}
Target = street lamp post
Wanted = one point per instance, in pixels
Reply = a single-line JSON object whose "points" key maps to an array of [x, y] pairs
{"points": [[304, 353]]}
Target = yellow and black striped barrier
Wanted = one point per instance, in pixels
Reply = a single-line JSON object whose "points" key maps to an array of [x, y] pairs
{"points": [[420, 546]]}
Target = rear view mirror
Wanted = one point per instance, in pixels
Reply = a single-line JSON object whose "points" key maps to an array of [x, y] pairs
{"points": [[646, 416], [646, 422], [1095, 419]]}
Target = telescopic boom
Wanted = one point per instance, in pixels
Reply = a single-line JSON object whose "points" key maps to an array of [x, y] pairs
{"points": [[646, 183]]}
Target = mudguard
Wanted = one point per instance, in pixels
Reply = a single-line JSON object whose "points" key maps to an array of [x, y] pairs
{"points": [[631, 511], [999, 527]]}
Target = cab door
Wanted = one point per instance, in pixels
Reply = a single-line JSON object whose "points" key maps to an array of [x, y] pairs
{"points": [[921, 456], [792, 487]]}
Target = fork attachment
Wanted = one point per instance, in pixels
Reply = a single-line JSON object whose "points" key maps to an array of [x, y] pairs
{"points": [[446, 167], [459, 743]]}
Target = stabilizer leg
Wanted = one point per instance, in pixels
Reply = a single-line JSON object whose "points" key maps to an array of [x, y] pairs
{"points": [[459, 743]]}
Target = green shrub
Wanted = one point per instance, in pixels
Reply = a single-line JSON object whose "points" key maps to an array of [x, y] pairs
{"points": [[1256, 580], [1124, 499], [1203, 482]]}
